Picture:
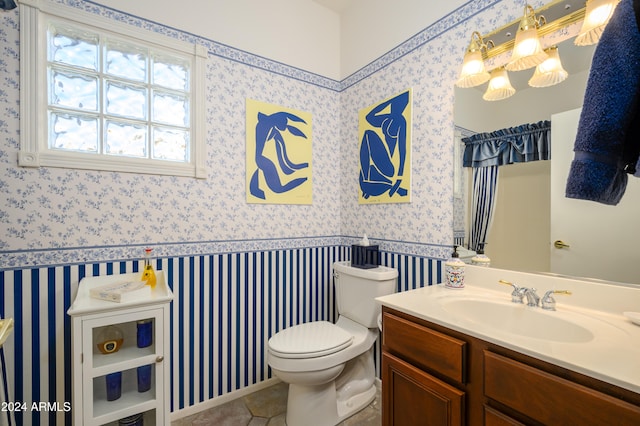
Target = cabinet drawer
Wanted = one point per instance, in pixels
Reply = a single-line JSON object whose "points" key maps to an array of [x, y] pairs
{"points": [[495, 418], [550, 399], [423, 347], [413, 397]]}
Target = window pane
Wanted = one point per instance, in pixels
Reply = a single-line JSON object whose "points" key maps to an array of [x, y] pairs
{"points": [[74, 48], [170, 109], [74, 91], [171, 73], [126, 139], [73, 132], [126, 61], [126, 100], [170, 144]]}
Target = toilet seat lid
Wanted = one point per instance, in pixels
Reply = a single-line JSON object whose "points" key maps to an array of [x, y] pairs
{"points": [[309, 340]]}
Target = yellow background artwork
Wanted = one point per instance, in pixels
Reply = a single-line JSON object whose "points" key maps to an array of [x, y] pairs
{"points": [[278, 154], [384, 132]]}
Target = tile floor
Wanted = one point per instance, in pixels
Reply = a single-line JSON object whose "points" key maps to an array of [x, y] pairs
{"points": [[267, 407]]}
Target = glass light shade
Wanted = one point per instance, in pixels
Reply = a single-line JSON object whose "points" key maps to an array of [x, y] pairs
{"points": [[527, 50], [549, 72], [596, 19], [499, 86], [473, 71]]}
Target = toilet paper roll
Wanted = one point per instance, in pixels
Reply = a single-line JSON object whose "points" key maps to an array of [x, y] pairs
{"points": [[380, 321]]}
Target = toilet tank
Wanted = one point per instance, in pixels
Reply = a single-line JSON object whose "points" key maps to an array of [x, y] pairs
{"points": [[356, 290]]}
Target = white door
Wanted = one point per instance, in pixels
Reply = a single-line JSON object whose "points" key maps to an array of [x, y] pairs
{"points": [[603, 240]]}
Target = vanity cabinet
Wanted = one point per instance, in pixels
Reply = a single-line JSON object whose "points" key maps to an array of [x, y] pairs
{"points": [[415, 362], [105, 344], [432, 375], [412, 396]]}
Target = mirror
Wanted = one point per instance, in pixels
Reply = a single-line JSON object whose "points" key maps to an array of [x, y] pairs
{"points": [[520, 236]]}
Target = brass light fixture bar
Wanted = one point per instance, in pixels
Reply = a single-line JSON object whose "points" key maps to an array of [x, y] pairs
{"points": [[559, 14]]}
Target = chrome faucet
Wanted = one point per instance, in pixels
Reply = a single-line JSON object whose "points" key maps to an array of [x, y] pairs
{"points": [[548, 302], [518, 292], [532, 298]]}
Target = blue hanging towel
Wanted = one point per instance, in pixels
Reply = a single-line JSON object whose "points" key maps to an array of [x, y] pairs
{"points": [[7, 4], [607, 144]]}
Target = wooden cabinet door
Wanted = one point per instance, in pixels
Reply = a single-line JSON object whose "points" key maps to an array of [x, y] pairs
{"points": [[552, 400], [495, 418], [412, 397]]}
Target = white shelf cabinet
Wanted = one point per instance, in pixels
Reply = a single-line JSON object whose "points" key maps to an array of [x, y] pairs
{"points": [[89, 317]]}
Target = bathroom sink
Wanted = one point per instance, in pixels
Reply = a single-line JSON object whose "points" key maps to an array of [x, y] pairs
{"points": [[518, 319]]}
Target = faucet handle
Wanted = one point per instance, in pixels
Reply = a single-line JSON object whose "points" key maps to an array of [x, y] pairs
{"points": [[518, 292], [548, 302], [532, 297]]}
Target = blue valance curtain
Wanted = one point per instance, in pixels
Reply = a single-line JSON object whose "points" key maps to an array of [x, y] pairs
{"points": [[484, 152], [527, 142]]}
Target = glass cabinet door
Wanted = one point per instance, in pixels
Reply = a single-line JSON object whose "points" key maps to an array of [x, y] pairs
{"points": [[123, 356]]}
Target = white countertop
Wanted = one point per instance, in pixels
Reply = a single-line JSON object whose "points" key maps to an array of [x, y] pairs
{"points": [[612, 355], [83, 303]]}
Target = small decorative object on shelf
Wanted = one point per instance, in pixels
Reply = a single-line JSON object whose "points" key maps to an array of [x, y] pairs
{"points": [[148, 274], [114, 385], [144, 378], [122, 292], [145, 333], [110, 340]]}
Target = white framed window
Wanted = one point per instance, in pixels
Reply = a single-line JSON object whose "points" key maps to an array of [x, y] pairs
{"points": [[102, 95]]}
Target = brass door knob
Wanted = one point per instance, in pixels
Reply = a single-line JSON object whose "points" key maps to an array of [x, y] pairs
{"points": [[159, 358], [559, 244]]}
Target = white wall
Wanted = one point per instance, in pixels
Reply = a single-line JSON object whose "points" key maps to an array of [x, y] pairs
{"points": [[371, 28], [519, 236], [299, 33]]}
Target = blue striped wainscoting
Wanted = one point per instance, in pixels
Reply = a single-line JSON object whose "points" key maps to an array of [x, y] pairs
{"points": [[226, 307]]}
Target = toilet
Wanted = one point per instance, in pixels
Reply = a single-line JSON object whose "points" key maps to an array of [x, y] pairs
{"points": [[329, 367]]}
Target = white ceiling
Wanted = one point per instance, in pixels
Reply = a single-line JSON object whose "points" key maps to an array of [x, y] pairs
{"points": [[336, 5]]}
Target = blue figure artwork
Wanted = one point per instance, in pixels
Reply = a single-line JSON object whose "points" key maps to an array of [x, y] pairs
{"points": [[378, 173], [272, 127]]}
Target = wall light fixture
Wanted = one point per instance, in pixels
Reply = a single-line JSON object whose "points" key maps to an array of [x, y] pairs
{"points": [[499, 86], [525, 47], [473, 70], [527, 50], [596, 18], [549, 72]]}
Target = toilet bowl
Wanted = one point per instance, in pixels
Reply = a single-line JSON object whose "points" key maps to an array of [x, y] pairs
{"points": [[329, 367]]}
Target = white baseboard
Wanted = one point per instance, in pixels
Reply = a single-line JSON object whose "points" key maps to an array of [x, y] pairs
{"points": [[222, 399]]}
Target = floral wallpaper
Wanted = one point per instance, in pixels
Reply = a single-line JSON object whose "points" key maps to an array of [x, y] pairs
{"points": [[51, 215], [68, 210], [428, 63]]}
